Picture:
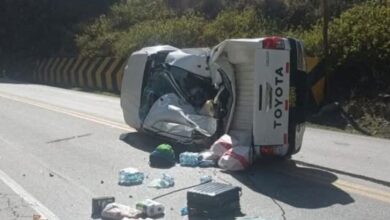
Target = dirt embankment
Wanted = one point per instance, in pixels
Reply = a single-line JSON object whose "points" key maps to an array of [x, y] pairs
{"points": [[369, 116]]}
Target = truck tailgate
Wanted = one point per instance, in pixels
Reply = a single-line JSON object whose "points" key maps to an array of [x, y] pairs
{"points": [[270, 122]]}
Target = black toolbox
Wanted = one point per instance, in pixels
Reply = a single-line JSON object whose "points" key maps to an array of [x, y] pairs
{"points": [[212, 200]]}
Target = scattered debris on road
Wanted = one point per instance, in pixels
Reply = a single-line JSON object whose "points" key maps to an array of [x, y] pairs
{"points": [[130, 176], [98, 204], [206, 179], [189, 159], [184, 211], [226, 150], [235, 159], [207, 163], [220, 146], [38, 217], [150, 208], [165, 182], [208, 155], [116, 211], [207, 199], [162, 156], [212, 200]]}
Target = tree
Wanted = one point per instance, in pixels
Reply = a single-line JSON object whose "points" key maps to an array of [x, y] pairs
{"points": [[361, 50]]}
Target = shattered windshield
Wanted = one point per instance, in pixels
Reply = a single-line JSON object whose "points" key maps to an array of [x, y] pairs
{"points": [[196, 89], [164, 79], [158, 83]]}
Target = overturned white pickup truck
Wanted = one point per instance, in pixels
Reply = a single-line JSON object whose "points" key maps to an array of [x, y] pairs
{"points": [[252, 89]]}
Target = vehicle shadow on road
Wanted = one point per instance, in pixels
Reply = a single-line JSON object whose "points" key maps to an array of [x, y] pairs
{"points": [[148, 142], [296, 186], [141, 141]]}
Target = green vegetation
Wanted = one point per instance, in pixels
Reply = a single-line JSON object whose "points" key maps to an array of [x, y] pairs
{"points": [[361, 37], [233, 24], [181, 32], [132, 21], [358, 30]]}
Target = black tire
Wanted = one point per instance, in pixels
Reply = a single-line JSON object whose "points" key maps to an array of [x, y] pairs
{"points": [[294, 139]]}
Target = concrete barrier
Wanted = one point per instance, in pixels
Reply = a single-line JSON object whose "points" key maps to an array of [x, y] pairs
{"points": [[316, 79], [101, 73]]}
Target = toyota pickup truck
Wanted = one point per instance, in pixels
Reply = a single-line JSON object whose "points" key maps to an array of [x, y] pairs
{"points": [[253, 89]]}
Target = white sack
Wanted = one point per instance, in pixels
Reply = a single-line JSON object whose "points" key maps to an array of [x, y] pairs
{"points": [[116, 211], [223, 144], [235, 159]]}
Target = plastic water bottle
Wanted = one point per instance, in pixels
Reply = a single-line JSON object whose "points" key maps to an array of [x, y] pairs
{"points": [[206, 179], [169, 180], [189, 159], [207, 163], [165, 182], [184, 211], [130, 176]]}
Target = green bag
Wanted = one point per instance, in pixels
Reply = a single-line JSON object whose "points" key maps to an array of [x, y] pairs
{"points": [[162, 156]]}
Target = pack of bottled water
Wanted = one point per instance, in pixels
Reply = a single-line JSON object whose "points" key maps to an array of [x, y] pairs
{"points": [[189, 159], [130, 176]]}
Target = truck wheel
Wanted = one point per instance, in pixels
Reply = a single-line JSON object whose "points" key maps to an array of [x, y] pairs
{"points": [[295, 139]]}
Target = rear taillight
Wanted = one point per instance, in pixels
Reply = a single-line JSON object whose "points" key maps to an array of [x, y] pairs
{"points": [[276, 43], [266, 150]]}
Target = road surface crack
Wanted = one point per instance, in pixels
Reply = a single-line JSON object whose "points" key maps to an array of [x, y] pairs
{"points": [[283, 215], [69, 138], [280, 207]]}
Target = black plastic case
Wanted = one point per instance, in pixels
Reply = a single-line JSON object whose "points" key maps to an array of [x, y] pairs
{"points": [[213, 199]]}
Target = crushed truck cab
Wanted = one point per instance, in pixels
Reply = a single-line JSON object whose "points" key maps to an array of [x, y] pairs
{"points": [[252, 89]]}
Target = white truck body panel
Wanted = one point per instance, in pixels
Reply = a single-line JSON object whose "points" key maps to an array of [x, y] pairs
{"points": [[132, 83], [131, 88], [243, 115], [195, 63], [255, 67]]}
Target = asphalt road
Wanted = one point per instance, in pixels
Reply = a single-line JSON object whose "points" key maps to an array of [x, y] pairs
{"points": [[60, 148]]}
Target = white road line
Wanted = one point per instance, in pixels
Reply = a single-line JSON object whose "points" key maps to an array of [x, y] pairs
{"points": [[34, 203]]}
